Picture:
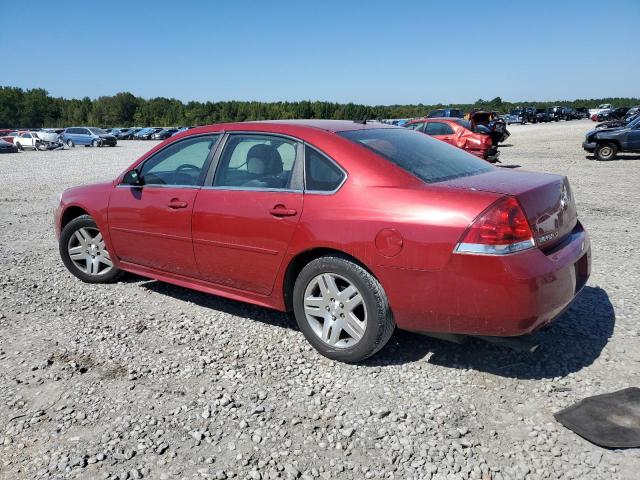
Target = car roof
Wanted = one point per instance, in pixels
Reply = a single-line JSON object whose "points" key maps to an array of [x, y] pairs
{"points": [[327, 125]]}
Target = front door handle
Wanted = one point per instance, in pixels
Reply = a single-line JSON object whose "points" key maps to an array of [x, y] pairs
{"points": [[282, 211], [176, 204]]}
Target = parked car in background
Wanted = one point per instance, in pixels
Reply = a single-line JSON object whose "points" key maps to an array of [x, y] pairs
{"points": [[146, 133], [568, 113], [556, 113], [628, 118], [602, 106], [6, 147], [606, 143], [611, 114], [127, 133], [582, 112], [446, 112], [459, 133], [489, 122], [432, 239], [50, 139], [9, 136], [88, 136], [542, 116], [164, 134], [182, 129], [28, 140]]}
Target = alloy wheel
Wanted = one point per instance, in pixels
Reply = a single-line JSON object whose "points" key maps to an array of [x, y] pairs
{"points": [[335, 310], [88, 253]]}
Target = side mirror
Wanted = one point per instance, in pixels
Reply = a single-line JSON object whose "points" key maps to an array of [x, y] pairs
{"points": [[132, 177]]}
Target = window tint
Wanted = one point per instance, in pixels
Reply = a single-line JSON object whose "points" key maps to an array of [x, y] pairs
{"points": [[436, 113], [26, 135], [180, 163], [438, 128], [428, 159], [321, 174], [256, 161]]}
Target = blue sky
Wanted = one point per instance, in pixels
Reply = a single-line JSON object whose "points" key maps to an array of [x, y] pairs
{"points": [[373, 52]]}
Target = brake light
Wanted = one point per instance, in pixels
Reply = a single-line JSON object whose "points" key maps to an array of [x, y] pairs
{"points": [[501, 229]]}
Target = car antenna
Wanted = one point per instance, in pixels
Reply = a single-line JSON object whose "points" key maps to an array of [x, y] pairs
{"points": [[363, 121]]}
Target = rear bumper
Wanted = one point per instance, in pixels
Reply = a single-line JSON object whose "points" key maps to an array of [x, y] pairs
{"points": [[506, 295]]}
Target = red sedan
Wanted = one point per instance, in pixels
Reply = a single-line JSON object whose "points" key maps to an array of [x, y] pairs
{"points": [[459, 133], [356, 228]]}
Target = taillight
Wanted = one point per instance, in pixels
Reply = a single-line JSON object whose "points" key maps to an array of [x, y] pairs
{"points": [[502, 228]]}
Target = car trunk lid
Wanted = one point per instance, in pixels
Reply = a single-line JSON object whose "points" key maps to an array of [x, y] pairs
{"points": [[546, 199]]}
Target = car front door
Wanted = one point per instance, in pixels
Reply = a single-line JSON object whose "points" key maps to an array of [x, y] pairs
{"points": [[244, 216], [633, 138], [150, 225]]}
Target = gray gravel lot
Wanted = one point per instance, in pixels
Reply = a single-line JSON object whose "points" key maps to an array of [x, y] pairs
{"points": [[142, 379]]}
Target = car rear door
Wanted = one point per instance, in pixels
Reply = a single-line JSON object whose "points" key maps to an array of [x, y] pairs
{"points": [[150, 225], [441, 131], [245, 214]]}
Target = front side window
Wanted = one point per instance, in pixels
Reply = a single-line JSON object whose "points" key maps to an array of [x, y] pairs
{"points": [[256, 162], [181, 163], [321, 174], [438, 128], [428, 159]]}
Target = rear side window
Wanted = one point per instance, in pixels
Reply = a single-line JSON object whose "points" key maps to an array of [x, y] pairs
{"points": [[321, 174], [438, 128], [415, 126], [428, 159]]}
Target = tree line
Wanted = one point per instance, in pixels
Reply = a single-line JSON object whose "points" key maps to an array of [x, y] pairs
{"points": [[35, 108]]}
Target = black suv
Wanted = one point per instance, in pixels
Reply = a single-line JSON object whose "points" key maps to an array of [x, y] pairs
{"points": [[607, 142]]}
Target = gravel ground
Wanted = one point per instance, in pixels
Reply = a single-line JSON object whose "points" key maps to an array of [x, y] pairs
{"points": [[142, 379]]}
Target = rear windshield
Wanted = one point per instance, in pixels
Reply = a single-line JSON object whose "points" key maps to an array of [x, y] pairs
{"points": [[428, 159]]}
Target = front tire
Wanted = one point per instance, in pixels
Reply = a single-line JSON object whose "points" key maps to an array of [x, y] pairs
{"points": [[84, 253], [20, 147], [342, 309], [606, 151], [70, 143]]}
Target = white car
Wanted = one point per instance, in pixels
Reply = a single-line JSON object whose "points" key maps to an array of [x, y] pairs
{"points": [[601, 107], [27, 140]]}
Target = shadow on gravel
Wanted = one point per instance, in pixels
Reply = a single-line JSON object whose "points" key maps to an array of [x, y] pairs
{"points": [[231, 307], [620, 157], [573, 342]]}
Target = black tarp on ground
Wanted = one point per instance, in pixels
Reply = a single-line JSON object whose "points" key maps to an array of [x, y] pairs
{"points": [[611, 420]]}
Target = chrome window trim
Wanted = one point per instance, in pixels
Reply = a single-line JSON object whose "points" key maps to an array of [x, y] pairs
{"points": [[157, 185], [220, 151], [251, 189], [322, 192]]}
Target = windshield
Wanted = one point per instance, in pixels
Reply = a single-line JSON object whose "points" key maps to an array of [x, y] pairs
{"points": [[97, 131], [428, 159], [634, 123]]}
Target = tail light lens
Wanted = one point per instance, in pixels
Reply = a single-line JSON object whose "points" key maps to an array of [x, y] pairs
{"points": [[501, 229]]}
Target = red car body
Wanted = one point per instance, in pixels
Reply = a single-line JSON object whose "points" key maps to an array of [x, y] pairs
{"points": [[456, 132], [248, 244]]}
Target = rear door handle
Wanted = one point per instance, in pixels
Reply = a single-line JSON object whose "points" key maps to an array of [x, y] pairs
{"points": [[176, 204], [282, 211]]}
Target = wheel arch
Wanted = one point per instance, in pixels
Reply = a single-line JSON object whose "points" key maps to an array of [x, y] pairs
{"points": [[301, 259], [602, 141], [71, 212]]}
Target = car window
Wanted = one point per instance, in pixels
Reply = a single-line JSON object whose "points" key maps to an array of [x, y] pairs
{"points": [[321, 174], [256, 162], [180, 163], [438, 128], [26, 135], [416, 126], [436, 113], [424, 157]]}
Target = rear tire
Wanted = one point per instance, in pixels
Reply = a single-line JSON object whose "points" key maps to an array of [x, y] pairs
{"points": [[20, 147], [84, 253], [95, 143], [606, 151], [354, 305]]}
